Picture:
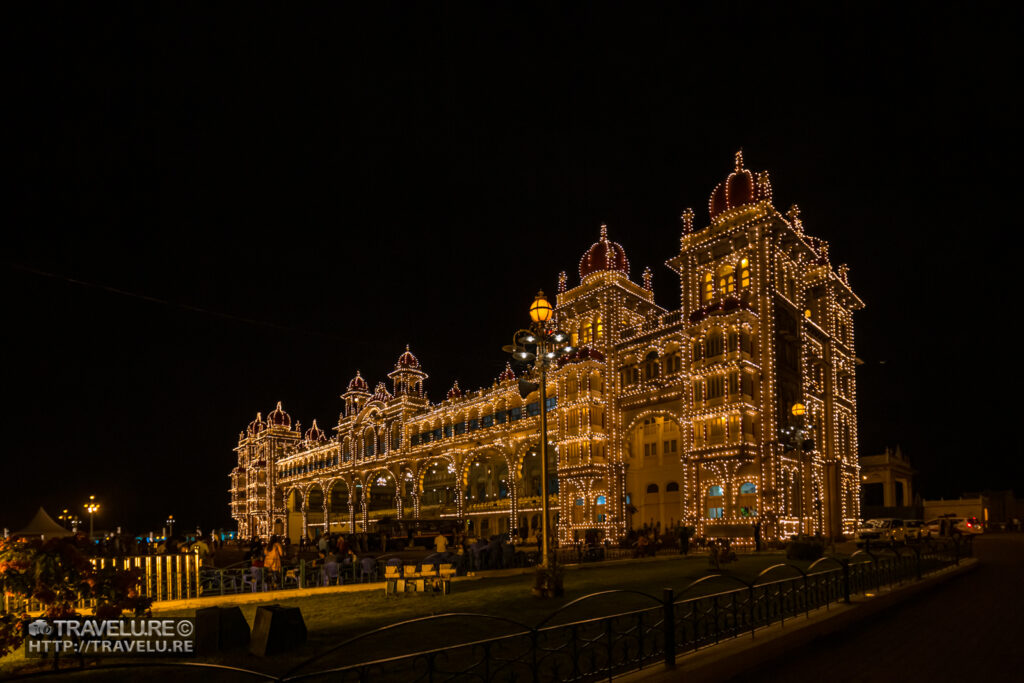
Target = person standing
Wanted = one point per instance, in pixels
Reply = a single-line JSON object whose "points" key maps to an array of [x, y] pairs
{"points": [[272, 561], [440, 543]]}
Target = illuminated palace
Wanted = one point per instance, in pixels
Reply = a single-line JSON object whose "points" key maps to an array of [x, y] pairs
{"points": [[659, 417]]}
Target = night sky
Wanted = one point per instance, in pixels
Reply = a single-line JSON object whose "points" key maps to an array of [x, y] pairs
{"points": [[206, 214]]}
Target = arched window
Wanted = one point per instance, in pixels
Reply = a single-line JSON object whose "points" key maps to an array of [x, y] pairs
{"points": [[708, 289], [601, 500], [579, 501], [598, 326], [715, 490], [744, 273], [671, 486], [698, 351], [652, 488], [748, 487], [651, 365], [726, 280], [588, 330], [713, 344]]}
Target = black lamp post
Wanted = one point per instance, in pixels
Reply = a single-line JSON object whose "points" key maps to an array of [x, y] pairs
{"points": [[92, 507], [540, 348]]}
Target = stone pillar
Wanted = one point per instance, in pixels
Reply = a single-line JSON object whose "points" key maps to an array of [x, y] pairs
{"points": [[351, 516]]}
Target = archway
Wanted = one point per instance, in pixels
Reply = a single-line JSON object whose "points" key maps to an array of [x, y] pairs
{"points": [[653, 453], [314, 511], [294, 519], [486, 491], [438, 488]]}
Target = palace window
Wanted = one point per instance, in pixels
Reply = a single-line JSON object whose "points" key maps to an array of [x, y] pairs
{"points": [[515, 414], [715, 490], [748, 487], [601, 500], [726, 280], [716, 513], [744, 273], [708, 288], [671, 486], [487, 420], [713, 345], [734, 383], [447, 431], [651, 365], [533, 409], [698, 351], [716, 387], [717, 434], [698, 392], [598, 326], [652, 488], [670, 446], [499, 417]]}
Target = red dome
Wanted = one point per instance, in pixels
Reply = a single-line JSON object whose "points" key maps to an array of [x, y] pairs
{"points": [[508, 374], [279, 418], [381, 393], [257, 425], [738, 189], [604, 255], [455, 391], [407, 360], [581, 354], [358, 384], [314, 434]]}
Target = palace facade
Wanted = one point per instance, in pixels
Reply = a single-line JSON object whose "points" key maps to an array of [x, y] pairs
{"points": [[659, 417]]}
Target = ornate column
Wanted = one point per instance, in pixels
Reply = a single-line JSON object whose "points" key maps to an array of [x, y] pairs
{"points": [[327, 510]]}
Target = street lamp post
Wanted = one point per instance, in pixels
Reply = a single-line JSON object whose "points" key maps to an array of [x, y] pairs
{"points": [[170, 523], [548, 346], [798, 436], [92, 507]]}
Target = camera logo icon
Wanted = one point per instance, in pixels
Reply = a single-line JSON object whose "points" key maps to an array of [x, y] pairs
{"points": [[39, 627]]}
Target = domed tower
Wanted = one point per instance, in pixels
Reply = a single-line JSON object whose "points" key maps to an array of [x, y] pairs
{"points": [[381, 393], [356, 395], [408, 376], [604, 256], [255, 507], [315, 435]]}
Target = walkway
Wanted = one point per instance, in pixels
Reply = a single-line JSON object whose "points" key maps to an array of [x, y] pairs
{"points": [[967, 630]]}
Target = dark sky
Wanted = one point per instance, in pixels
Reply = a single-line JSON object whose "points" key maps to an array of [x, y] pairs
{"points": [[327, 187]]}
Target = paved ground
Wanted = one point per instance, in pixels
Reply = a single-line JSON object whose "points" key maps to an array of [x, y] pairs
{"points": [[967, 630]]}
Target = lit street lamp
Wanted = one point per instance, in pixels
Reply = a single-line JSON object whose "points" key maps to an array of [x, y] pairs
{"points": [[170, 523], [797, 439], [547, 347], [92, 507]]}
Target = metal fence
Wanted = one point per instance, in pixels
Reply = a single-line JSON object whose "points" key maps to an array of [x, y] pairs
{"points": [[658, 630]]}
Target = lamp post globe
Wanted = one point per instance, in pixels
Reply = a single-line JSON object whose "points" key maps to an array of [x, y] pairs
{"points": [[540, 310], [92, 507]]}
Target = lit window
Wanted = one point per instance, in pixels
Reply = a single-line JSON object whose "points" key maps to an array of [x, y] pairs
{"points": [[715, 490], [598, 327], [744, 273], [601, 500], [748, 487], [726, 280], [709, 286]]}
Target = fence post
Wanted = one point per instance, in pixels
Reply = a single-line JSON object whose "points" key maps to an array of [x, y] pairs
{"points": [[302, 573], [846, 580], [669, 628]]}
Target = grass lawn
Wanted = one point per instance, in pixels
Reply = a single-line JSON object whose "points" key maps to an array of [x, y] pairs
{"points": [[334, 618]]}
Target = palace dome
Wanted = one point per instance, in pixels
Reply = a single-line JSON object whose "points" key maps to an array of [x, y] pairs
{"points": [[315, 434], [257, 425], [508, 374], [381, 393], [279, 418], [455, 391], [738, 189], [358, 384], [604, 255], [407, 360]]}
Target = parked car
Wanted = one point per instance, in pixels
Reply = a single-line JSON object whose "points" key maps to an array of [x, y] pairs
{"points": [[888, 531], [914, 530], [961, 525]]}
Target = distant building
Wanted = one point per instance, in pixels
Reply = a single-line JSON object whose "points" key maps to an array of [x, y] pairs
{"points": [[887, 480], [661, 416]]}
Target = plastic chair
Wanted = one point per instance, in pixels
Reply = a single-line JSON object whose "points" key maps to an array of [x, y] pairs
{"points": [[254, 579], [396, 564], [368, 569]]}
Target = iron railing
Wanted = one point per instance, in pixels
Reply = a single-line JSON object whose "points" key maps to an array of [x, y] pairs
{"points": [[601, 648]]}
